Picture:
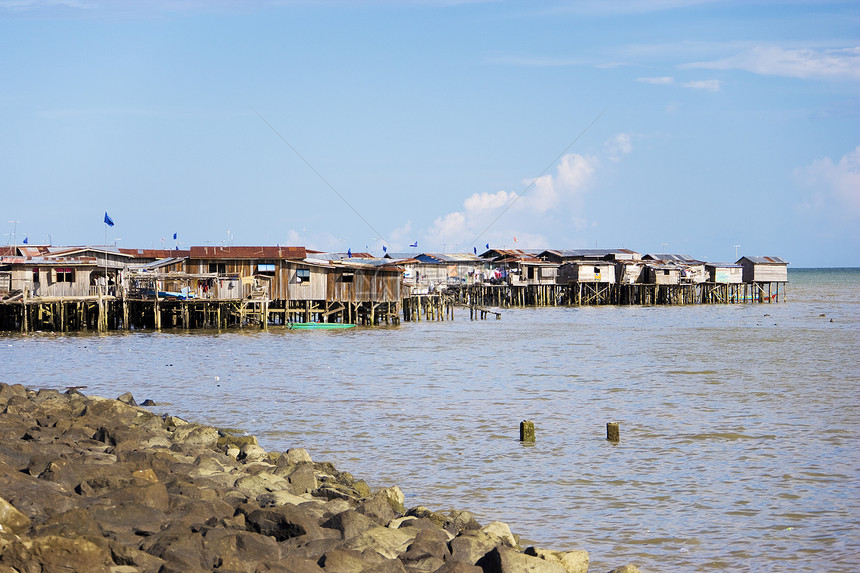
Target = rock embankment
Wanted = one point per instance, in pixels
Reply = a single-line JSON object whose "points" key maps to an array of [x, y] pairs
{"points": [[89, 484]]}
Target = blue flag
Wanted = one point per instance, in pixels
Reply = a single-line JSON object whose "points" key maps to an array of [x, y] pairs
{"points": [[174, 236], [108, 220], [414, 245], [475, 249], [488, 246], [26, 240], [349, 252], [384, 249]]}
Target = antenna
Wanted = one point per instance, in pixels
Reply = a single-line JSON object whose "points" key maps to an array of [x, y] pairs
{"points": [[736, 251], [14, 230]]}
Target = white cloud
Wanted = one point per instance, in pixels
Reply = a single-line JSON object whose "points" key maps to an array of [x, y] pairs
{"points": [[707, 85], [560, 193], [836, 186], [661, 81], [618, 146], [843, 63], [488, 201]]}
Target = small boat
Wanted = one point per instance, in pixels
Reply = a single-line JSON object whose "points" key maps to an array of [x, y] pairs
{"points": [[320, 325]]}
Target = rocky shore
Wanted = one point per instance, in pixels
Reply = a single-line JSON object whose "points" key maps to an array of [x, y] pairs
{"points": [[89, 484]]}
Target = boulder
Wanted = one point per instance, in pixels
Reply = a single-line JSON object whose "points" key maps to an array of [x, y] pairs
{"points": [[302, 479], [282, 522], [507, 560], [260, 483], [573, 561], [350, 523], [240, 550], [56, 553], [458, 521], [12, 520], [282, 497], [502, 531], [428, 551], [343, 561], [459, 567], [629, 568], [181, 549], [471, 545], [294, 456], [389, 543]]}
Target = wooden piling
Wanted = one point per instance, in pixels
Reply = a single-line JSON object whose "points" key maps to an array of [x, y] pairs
{"points": [[527, 431], [613, 433]]}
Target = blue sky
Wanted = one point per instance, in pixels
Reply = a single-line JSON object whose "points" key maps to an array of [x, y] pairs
{"points": [[658, 125]]}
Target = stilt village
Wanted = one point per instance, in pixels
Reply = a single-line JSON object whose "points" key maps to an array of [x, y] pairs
{"points": [[51, 288]]}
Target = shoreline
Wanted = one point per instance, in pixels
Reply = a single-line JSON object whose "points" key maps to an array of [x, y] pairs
{"points": [[95, 484]]}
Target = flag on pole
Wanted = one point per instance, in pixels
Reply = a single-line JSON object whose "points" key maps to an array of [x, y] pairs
{"points": [[515, 239], [414, 245], [174, 236], [384, 249], [349, 253], [475, 249], [108, 220], [25, 240], [488, 246]]}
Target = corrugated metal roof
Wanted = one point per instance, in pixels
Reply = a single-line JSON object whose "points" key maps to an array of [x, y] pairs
{"points": [[165, 262], [155, 253], [593, 253], [341, 256], [219, 252], [765, 260], [68, 251], [671, 257]]}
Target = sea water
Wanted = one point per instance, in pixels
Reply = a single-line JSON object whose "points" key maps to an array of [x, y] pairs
{"points": [[738, 450]]}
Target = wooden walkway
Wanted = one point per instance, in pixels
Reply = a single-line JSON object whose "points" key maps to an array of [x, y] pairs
{"points": [[113, 313]]}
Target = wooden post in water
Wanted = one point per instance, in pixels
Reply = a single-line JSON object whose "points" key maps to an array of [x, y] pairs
{"points": [[613, 432], [527, 431]]}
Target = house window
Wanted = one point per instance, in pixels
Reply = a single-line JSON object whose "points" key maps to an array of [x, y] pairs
{"points": [[348, 277], [66, 275], [597, 270], [218, 268], [266, 269], [35, 275], [666, 272], [303, 276]]}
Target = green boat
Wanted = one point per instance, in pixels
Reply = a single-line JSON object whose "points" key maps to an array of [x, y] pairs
{"points": [[320, 325]]}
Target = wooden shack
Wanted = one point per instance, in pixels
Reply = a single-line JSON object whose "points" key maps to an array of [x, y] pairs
{"points": [[763, 269], [663, 274], [724, 273], [630, 272], [586, 272]]}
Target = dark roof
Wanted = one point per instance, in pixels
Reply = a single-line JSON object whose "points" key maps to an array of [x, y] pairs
{"points": [[764, 260], [670, 257]]}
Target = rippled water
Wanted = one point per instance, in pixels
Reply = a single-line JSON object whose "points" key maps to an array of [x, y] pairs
{"points": [[739, 446]]}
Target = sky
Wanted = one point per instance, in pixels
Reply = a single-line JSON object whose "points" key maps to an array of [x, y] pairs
{"points": [[715, 129]]}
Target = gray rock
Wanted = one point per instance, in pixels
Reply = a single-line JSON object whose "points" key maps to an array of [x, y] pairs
{"points": [[12, 520], [350, 523], [507, 560], [573, 561], [629, 568], [470, 546], [282, 523], [389, 543]]}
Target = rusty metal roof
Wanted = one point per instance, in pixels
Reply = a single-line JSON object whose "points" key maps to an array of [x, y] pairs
{"points": [[219, 252], [764, 260]]}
